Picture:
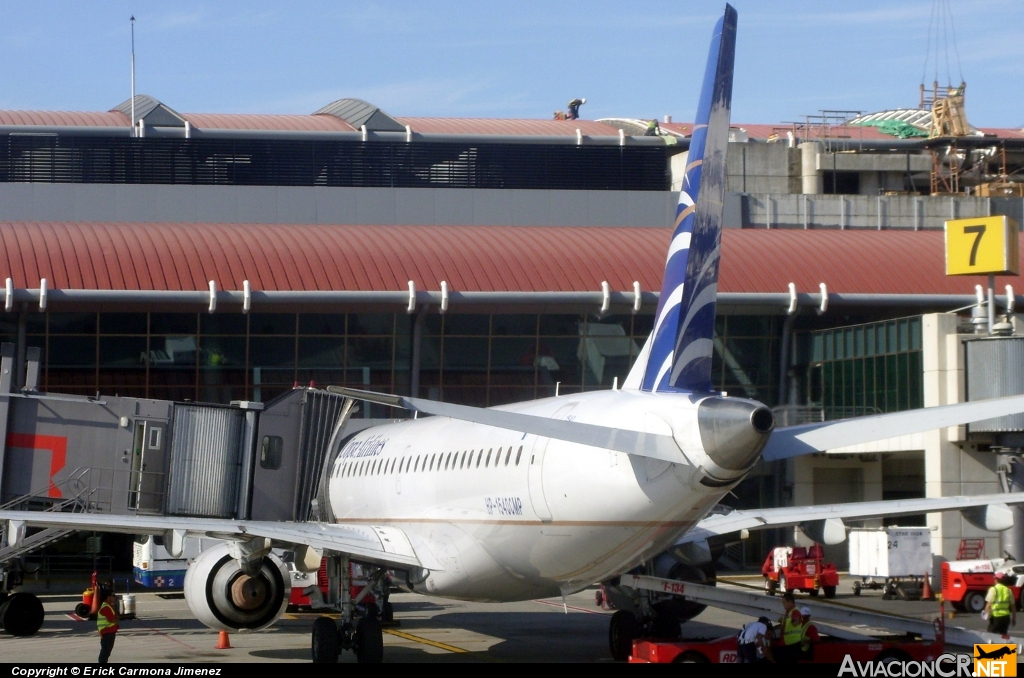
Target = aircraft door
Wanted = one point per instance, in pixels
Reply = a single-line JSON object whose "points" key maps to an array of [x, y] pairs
{"points": [[536, 469], [536, 479], [146, 470]]}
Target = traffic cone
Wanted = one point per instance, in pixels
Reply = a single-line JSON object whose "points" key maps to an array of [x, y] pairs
{"points": [[926, 592], [223, 641]]}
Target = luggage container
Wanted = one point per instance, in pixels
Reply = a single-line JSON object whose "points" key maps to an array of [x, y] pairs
{"points": [[896, 559]]}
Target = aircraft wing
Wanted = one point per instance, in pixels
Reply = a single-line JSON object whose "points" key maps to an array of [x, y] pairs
{"points": [[720, 525], [794, 441], [384, 545], [636, 443]]}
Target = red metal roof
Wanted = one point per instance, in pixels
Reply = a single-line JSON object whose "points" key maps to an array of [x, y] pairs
{"points": [[289, 123], [65, 118], [167, 256], [529, 127]]}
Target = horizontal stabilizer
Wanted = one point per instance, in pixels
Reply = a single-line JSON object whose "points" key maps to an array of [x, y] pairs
{"points": [[795, 441], [638, 443], [786, 516]]}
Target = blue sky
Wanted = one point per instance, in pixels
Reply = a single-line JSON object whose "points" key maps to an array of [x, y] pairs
{"points": [[522, 59]]}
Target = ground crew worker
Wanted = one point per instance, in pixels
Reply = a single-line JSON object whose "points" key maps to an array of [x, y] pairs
{"points": [[999, 607], [754, 645], [809, 635], [107, 624], [652, 129], [792, 631]]}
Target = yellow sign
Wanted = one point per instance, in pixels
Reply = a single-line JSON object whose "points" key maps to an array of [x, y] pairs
{"points": [[995, 660], [982, 246]]}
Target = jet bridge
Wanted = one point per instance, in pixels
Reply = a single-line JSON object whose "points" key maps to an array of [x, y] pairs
{"points": [[124, 455]]}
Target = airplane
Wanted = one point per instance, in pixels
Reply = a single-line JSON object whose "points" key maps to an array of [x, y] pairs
{"points": [[998, 653], [547, 497]]}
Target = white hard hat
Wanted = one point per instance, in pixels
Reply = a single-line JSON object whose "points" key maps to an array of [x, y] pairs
{"points": [[805, 611], [583, 100]]}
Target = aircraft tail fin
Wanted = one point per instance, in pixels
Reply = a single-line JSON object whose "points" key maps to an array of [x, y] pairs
{"points": [[681, 345]]}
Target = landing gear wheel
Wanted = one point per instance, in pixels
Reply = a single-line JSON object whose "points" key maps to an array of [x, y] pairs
{"points": [[369, 640], [974, 602], [326, 641], [770, 587], [830, 591], [666, 622], [622, 631], [782, 584], [22, 614], [82, 610], [387, 612]]}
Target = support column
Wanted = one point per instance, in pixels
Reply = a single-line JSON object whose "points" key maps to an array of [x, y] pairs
{"points": [[20, 361], [417, 346]]}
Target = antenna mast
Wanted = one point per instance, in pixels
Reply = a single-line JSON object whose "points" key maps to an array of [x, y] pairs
{"points": [[134, 133]]}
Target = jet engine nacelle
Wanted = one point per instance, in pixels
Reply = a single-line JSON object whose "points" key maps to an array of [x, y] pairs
{"points": [[224, 598]]}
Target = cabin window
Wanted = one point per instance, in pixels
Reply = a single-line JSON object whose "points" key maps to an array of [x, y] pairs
{"points": [[432, 457], [497, 458], [417, 467], [471, 452], [362, 467], [508, 456], [519, 454], [488, 462], [271, 452], [447, 459], [462, 464]]}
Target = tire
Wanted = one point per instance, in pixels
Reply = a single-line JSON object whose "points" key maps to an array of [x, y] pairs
{"points": [[856, 588], [22, 615], [830, 591], [666, 622], [892, 655], [691, 657], [959, 606], [369, 641], [82, 610], [598, 597], [814, 593], [622, 631], [782, 584], [387, 612], [769, 587], [326, 641], [974, 602]]}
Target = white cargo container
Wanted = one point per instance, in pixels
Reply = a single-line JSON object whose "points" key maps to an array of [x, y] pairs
{"points": [[890, 552]]}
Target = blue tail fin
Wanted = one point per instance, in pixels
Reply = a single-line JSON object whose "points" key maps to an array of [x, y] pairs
{"points": [[681, 343]]}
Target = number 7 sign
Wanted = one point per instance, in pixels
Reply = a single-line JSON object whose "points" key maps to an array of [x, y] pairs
{"points": [[982, 246]]}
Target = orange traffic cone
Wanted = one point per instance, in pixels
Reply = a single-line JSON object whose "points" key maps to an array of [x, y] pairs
{"points": [[223, 641], [926, 592]]}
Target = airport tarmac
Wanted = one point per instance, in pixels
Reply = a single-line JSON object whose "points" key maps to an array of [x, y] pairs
{"points": [[431, 630]]}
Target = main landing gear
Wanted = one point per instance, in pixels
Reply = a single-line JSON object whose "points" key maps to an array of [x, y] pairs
{"points": [[21, 614], [359, 629]]}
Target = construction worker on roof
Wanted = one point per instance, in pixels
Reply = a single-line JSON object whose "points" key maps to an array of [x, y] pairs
{"points": [[107, 623], [1000, 609], [574, 108], [653, 129]]}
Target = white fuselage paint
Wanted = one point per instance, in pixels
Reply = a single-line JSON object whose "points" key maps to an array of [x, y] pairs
{"points": [[514, 516]]}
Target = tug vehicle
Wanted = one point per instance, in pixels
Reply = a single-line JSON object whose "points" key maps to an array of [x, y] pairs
{"points": [[965, 582], [796, 568]]}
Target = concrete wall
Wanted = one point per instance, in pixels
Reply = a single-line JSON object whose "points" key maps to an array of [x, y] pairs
{"points": [[310, 205], [874, 212], [763, 168]]}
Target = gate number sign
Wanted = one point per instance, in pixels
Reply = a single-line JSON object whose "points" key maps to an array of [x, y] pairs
{"points": [[982, 246]]}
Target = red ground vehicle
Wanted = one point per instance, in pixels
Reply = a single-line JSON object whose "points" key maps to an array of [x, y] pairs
{"points": [[965, 582], [795, 568], [300, 580], [827, 651]]}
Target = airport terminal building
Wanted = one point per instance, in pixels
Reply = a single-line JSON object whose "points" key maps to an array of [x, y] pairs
{"points": [[215, 258]]}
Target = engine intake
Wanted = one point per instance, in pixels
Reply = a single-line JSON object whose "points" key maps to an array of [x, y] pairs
{"points": [[224, 598]]}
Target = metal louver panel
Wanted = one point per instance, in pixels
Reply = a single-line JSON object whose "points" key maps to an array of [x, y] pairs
{"points": [[320, 412], [204, 461], [995, 368]]}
